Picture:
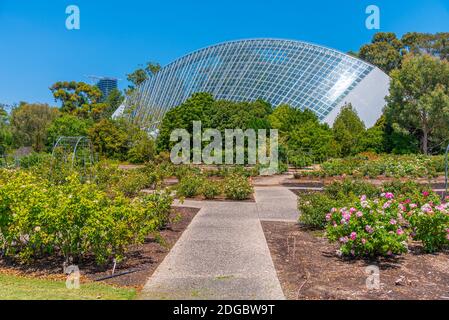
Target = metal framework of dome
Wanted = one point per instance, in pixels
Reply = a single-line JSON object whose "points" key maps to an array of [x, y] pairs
{"points": [[300, 74]]}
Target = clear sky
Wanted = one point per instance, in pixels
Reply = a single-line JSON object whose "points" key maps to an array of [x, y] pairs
{"points": [[37, 50]]}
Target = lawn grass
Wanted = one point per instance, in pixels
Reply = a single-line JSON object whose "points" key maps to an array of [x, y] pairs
{"points": [[22, 288]]}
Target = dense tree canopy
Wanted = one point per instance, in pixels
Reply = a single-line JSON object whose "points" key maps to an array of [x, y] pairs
{"points": [[29, 123], [79, 98], [348, 130], [119, 139], [213, 114], [385, 51], [66, 125], [419, 101]]}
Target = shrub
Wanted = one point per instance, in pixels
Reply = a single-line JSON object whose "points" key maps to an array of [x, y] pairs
{"points": [[368, 228], [365, 165], [190, 185], [211, 189], [237, 187], [34, 159], [351, 189], [132, 182], [313, 208], [72, 220], [429, 224]]}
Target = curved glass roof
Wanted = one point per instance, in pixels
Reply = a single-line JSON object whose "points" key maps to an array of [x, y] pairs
{"points": [[300, 74]]}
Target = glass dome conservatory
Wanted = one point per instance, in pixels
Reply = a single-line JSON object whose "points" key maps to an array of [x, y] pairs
{"points": [[300, 74]]}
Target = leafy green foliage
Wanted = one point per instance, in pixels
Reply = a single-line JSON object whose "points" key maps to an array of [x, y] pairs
{"points": [[237, 187], [121, 140], [190, 185], [385, 51], [348, 130], [140, 75], [73, 219], [213, 114], [80, 99], [211, 189], [29, 123], [368, 228], [314, 206], [418, 104], [66, 125], [430, 224], [385, 165]]}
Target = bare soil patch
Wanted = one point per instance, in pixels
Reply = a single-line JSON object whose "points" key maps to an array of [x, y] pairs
{"points": [[309, 269], [140, 263]]}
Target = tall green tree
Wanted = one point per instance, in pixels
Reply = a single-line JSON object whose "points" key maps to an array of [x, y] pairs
{"points": [[140, 75], [119, 139], [66, 125], [6, 137], [30, 123], [385, 51], [113, 101], [418, 103], [79, 98], [348, 131], [436, 45]]}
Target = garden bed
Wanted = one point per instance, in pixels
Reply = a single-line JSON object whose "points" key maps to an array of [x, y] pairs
{"points": [[310, 269], [141, 260]]}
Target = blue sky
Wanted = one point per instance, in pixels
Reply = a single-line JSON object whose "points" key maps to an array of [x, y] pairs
{"points": [[37, 50]]}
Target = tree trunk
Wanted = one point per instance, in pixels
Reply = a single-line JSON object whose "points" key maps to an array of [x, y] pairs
{"points": [[424, 142]]}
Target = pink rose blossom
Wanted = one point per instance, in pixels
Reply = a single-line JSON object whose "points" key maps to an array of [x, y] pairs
{"points": [[359, 214], [353, 236], [363, 198], [393, 222], [363, 241], [344, 239], [328, 217], [425, 193], [400, 232], [389, 195], [369, 229]]}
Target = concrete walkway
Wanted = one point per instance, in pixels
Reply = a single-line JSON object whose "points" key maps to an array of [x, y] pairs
{"points": [[223, 253]]}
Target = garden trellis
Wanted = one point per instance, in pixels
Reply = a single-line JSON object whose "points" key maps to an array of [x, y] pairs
{"points": [[74, 153]]}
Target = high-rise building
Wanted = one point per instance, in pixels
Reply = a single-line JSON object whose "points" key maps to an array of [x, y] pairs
{"points": [[106, 85], [303, 75]]}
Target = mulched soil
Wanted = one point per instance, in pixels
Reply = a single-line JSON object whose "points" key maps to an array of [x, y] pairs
{"points": [[309, 269], [141, 261]]}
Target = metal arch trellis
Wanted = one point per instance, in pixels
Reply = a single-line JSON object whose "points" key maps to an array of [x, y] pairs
{"points": [[74, 152]]}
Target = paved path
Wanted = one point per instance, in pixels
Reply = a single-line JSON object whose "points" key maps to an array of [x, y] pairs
{"points": [[223, 253]]}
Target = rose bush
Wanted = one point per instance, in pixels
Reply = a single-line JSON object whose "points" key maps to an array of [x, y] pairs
{"points": [[73, 220], [429, 223], [382, 226], [369, 228]]}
